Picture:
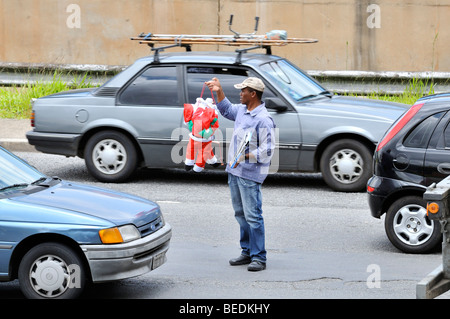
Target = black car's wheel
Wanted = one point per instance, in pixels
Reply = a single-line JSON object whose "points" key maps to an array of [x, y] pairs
{"points": [[51, 271], [110, 156], [408, 227], [346, 165]]}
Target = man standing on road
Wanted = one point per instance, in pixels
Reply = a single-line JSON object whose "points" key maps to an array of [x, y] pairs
{"points": [[251, 169]]}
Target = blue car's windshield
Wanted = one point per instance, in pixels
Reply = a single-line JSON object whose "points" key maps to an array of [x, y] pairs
{"points": [[292, 80], [16, 173]]}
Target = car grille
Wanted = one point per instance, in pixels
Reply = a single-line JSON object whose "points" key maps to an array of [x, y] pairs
{"points": [[151, 227], [147, 253]]}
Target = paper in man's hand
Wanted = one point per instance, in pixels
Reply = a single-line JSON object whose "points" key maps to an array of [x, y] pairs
{"points": [[241, 148]]}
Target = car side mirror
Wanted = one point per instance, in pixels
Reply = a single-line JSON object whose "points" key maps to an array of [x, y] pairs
{"points": [[275, 104]]}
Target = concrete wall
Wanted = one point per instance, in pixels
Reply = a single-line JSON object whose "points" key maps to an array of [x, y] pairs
{"points": [[370, 35]]}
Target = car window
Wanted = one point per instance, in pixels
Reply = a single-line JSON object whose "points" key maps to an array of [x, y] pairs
{"points": [[14, 171], [420, 135], [447, 137], [292, 80], [157, 85], [228, 76]]}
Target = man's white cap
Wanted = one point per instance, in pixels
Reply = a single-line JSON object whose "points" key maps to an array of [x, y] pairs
{"points": [[251, 82]]}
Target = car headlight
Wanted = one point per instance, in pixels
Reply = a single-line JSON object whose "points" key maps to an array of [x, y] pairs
{"points": [[117, 235]]}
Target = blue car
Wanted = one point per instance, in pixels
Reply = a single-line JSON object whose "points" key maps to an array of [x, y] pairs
{"points": [[56, 236]]}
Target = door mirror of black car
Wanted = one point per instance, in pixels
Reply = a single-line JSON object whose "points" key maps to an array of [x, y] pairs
{"points": [[276, 104]]}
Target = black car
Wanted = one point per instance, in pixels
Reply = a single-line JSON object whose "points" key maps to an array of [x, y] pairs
{"points": [[413, 154]]}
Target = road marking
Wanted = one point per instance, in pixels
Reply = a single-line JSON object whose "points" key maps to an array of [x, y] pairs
{"points": [[167, 202]]}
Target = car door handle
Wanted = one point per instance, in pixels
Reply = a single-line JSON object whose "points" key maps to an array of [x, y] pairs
{"points": [[444, 168]]}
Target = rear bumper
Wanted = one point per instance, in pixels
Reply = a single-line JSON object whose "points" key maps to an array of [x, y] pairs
{"points": [[120, 261], [376, 197], [54, 143], [385, 191]]}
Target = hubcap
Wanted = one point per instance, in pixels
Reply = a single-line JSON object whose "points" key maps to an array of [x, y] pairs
{"points": [[346, 166], [412, 226], [109, 156], [49, 276]]}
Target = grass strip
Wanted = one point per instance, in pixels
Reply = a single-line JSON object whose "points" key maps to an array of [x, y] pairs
{"points": [[15, 102]]}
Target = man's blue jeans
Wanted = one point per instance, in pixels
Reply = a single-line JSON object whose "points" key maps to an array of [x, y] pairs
{"points": [[247, 204]]}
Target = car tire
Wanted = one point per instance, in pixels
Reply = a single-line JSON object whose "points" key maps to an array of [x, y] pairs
{"points": [[346, 165], [110, 156], [408, 227], [51, 271]]}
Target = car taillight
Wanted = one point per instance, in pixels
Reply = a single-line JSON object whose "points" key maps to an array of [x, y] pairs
{"points": [[399, 125], [32, 119]]}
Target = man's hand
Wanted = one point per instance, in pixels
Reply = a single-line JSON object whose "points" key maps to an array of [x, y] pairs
{"points": [[243, 157], [215, 86]]}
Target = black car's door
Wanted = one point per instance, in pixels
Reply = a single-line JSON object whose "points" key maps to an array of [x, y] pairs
{"points": [[437, 157], [408, 157]]}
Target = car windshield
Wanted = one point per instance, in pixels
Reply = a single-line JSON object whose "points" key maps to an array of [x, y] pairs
{"points": [[15, 173], [292, 81]]}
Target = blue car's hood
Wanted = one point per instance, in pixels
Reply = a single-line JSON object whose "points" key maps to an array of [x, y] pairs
{"points": [[74, 199]]}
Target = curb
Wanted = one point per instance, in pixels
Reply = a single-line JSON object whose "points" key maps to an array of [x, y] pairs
{"points": [[13, 135], [17, 145]]}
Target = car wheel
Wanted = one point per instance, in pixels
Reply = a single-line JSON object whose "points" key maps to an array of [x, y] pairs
{"points": [[408, 227], [346, 165], [51, 271], [110, 156]]}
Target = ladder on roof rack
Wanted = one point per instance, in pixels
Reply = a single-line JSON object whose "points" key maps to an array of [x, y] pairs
{"points": [[273, 38], [184, 39]]}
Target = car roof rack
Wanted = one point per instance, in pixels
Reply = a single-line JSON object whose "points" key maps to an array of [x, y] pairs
{"points": [[272, 38]]}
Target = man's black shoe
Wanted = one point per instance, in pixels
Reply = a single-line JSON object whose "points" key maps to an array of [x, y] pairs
{"points": [[241, 260], [256, 265]]}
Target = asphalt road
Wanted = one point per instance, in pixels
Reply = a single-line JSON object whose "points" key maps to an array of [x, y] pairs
{"points": [[320, 243]]}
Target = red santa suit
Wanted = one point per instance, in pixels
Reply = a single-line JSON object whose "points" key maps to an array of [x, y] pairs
{"points": [[202, 120]]}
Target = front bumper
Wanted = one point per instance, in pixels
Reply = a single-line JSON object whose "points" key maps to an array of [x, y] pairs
{"points": [[120, 261]]}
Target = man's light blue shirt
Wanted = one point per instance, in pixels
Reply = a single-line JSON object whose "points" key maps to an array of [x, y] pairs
{"points": [[262, 144]]}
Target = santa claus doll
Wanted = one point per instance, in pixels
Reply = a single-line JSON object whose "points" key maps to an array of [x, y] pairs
{"points": [[202, 120]]}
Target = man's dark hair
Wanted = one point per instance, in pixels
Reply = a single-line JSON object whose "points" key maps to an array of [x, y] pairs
{"points": [[258, 93]]}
